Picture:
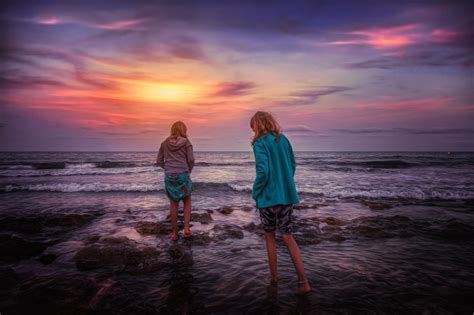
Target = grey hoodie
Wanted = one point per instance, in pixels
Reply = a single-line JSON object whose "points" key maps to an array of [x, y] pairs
{"points": [[176, 155]]}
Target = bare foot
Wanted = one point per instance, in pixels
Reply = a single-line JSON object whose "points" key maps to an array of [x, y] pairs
{"points": [[303, 287], [187, 233], [174, 236]]}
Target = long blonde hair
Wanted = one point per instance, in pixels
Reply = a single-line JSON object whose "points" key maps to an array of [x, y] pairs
{"points": [[179, 129], [264, 123]]}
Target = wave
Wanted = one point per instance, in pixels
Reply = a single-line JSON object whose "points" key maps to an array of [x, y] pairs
{"points": [[246, 188], [209, 164]]}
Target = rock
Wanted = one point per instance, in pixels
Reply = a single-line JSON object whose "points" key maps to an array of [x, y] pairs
{"points": [[200, 238], [210, 211], [26, 225], [119, 255], [71, 219], [247, 208], [8, 277], [181, 255], [47, 258], [203, 218], [306, 233], [14, 248], [225, 210], [381, 227], [49, 165], [153, 228], [451, 229], [254, 228], [91, 239], [228, 231], [333, 221], [376, 205], [335, 238]]}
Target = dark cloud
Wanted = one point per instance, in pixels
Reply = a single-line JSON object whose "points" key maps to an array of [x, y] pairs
{"points": [[423, 59], [234, 88], [26, 82], [310, 96]]}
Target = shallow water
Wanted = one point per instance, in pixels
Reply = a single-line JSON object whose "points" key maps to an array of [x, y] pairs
{"points": [[77, 243]]}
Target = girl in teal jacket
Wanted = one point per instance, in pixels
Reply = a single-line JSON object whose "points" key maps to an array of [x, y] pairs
{"points": [[274, 191]]}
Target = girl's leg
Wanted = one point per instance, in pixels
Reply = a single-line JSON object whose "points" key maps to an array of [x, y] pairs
{"points": [[295, 254], [174, 218], [272, 255], [187, 212]]}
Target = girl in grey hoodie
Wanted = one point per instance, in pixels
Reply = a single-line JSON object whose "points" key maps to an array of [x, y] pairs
{"points": [[177, 159]]}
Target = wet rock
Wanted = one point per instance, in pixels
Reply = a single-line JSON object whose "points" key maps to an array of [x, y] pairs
{"points": [[333, 221], [68, 294], [8, 277], [49, 165], [203, 218], [304, 206], [210, 211], [91, 239], [452, 229], [381, 227], [225, 210], [14, 248], [200, 238], [71, 219], [228, 231], [335, 238], [376, 206], [181, 254], [306, 232], [119, 255], [254, 228], [26, 225], [47, 259], [153, 228], [247, 208]]}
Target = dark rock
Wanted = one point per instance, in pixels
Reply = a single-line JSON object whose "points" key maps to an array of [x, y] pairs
{"points": [[14, 248], [228, 231], [49, 165], [119, 255], [306, 233], [210, 211], [451, 229], [91, 239], [200, 238], [247, 208], [254, 228], [153, 228], [8, 277], [381, 227], [26, 225], [71, 219], [203, 218], [225, 210], [376, 205], [47, 259], [181, 255], [334, 221]]}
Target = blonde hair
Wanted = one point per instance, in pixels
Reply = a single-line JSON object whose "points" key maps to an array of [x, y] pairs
{"points": [[264, 123], [179, 129]]}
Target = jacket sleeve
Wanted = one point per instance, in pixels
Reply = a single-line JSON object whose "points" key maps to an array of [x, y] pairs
{"points": [[292, 158], [190, 155], [261, 165], [160, 159]]}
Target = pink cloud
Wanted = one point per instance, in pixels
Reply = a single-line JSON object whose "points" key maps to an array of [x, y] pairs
{"points": [[416, 104]]}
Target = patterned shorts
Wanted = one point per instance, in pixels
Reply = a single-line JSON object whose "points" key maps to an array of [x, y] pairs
{"points": [[277, 217], [178, 185]]}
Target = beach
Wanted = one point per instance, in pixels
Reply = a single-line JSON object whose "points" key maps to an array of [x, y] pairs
{"points": [[379, 232]]}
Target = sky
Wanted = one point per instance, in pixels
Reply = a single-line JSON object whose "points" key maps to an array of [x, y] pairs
{"points": [[338, 75]]}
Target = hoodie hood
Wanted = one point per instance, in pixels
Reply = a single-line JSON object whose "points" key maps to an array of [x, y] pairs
{"points": [[175, 143]]}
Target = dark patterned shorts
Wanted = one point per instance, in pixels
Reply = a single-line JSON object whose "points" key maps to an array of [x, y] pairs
{"points": [[277, 217]]}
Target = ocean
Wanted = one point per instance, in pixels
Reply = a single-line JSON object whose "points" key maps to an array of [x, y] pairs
{"points": [[382, 232]]}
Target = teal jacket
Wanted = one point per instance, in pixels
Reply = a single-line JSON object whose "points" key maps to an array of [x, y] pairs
{"points": [[275, 165]]}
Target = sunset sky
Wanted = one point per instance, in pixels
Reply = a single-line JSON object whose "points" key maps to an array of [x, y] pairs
{"points": [[338, 75]]}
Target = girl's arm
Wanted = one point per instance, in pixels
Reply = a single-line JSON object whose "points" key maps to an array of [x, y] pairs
{"points": [[190, 155], [292, 158], [261, 165], [160, 159]]}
